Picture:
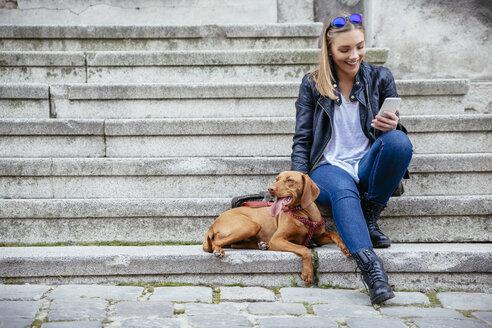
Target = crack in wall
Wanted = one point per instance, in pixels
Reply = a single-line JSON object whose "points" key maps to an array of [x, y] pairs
{"points": [[80, 12]]}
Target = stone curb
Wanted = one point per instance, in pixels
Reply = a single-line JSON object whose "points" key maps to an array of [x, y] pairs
{"points": [[80, 261]]}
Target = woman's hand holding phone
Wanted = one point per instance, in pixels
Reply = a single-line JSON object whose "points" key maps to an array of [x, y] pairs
{"points": [[386, 122], [387, 118]]}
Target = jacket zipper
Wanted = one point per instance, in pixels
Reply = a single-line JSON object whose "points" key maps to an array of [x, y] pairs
{"points": [[331, 136], [370, 108]]}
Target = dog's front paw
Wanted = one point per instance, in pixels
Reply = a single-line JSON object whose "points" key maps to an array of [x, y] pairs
{"points": [[307, 278], [263, 246], [219, 254]]}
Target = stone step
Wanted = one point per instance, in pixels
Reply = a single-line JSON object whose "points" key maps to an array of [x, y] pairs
{"points": [[271, 136], [410, 266], [467, 218], [254, 99], [158, 37], [163, 66], [457, 174]]}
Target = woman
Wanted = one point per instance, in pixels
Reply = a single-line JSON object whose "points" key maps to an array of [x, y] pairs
{"points": [[356, 157]]}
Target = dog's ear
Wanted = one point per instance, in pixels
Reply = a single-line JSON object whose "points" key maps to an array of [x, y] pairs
{"points": [[310, 192]]}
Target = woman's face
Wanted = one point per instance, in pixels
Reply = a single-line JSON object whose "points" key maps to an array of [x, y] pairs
{"points": [[347, 50]]}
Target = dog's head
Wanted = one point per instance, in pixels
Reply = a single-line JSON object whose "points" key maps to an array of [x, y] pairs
{"points": [[292, 189]]}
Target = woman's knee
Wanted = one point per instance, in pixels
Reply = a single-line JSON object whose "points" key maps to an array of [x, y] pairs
{"points": [[397, 141]]}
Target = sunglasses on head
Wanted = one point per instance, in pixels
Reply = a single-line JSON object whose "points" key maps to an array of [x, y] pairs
{"points": [[341, 21]]}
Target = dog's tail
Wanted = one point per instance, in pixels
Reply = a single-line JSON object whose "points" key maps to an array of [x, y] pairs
{"points": [[207, 243]]}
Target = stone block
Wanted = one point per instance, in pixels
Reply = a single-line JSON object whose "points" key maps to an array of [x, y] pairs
{"points": [[73, 324], [217, 309], [144, 309], [276, 308], [484, 316], [42, 59], [375, 322], [49, 127], [448, 323], [466, 301], [19, 309], [19, 108], [476, 100], [33, 74], [150, 323], [210, 321], [408, 298], [246, 294], [77, 309], [315, 295], [52, 146], [15, 322], [24, 91], [345, 310], [94, 292], [416, 312], [22, 292], [295, 322], [182, 294]]}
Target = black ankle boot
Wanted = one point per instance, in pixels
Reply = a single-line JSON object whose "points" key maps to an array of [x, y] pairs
{"points": [[373, 275], [372, 211]]}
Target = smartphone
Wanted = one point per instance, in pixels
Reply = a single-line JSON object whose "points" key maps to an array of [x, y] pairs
{"points": [[391, 105]]}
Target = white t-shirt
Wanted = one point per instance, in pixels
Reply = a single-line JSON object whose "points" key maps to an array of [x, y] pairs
{"points": [[348, 143]]}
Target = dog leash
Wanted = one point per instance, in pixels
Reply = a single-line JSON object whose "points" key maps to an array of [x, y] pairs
{"points": [[312, 225]]}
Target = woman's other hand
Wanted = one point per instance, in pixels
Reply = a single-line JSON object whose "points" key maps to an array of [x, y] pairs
{"points": [[387, 122]]}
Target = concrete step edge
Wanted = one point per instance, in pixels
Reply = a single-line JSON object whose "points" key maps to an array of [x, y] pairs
{"points": [[160, 31], [159, 260], [212, 207], [173, 58], [82, 91], [212, 166], [219, 126]]}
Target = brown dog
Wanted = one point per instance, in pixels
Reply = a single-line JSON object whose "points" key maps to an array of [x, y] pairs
{"points": [[276, 227]]}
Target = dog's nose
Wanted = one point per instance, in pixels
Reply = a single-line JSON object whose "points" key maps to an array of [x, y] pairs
{"points": [[272, 190]]}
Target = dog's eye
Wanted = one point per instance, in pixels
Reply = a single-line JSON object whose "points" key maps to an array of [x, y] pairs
{"points": [[290, 181]]}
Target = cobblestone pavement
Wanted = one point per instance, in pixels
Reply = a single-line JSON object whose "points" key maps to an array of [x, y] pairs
{"points": [[90, 306]]}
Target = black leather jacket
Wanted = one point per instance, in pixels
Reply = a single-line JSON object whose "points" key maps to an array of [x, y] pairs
{"points": [[315, 112]]}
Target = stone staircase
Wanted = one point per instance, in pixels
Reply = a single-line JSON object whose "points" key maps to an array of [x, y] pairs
{"points": [[143, 134]]}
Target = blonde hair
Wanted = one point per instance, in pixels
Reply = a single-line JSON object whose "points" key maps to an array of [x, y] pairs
{"points": [[323, 75]]}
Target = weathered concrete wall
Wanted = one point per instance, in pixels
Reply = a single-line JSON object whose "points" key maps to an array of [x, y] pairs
{"points": [[435, 38], [426, 38], [170, 12], [323, 9]]}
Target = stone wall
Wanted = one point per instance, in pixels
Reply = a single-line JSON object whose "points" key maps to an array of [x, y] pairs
{"points": [[426, 38]]}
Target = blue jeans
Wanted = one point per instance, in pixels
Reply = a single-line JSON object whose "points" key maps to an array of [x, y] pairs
{"points": [[380, 171]]}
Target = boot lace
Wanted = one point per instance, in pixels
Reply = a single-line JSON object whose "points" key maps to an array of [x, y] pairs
{"points": [[372, 224], [373, 274]]}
